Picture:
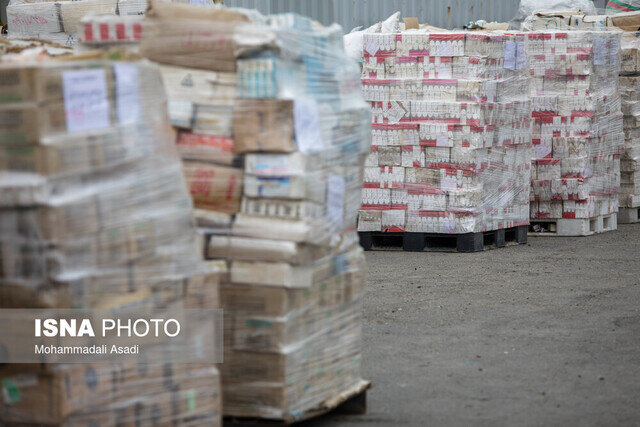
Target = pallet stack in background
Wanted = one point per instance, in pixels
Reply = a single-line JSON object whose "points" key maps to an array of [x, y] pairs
{"points": [[630, 161], [95, 214], [59, 21], [272, 129], [451, 135], [577, 131]]}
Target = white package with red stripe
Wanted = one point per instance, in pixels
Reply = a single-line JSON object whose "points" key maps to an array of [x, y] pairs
{"points": [[452, 111], [111, 29], [577, 123]]}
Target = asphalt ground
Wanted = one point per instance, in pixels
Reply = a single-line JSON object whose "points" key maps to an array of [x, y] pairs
{"points": [[546, 333]]}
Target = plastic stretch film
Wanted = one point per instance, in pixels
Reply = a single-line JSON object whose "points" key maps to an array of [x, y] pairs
{"points": [[95, 214], [577, 132], [273, 131], [451, 138], [60, 21], [630, 93]]}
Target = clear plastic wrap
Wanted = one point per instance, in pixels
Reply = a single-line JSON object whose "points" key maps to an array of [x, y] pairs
{"points": [[95, 214], [273, 131], [60, 21], [618, 6], [577, 131], [450, 143], [630, 93]]}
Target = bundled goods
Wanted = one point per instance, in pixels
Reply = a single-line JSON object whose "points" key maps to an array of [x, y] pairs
{"points": [[630, 93], [272, 129], [577, 132], [60, 21], [110, 30], [450, 140], [95, 214]]}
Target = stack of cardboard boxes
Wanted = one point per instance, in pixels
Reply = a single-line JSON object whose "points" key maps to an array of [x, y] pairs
{"points": [[630, 161], [450, 143], [59, 21], [95, 214], [272, 130], [577, 132]]}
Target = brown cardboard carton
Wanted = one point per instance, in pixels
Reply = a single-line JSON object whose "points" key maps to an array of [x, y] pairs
{"points": [[264, 125], [203, 147], [202, 38], [16, 84], [214, 187]]}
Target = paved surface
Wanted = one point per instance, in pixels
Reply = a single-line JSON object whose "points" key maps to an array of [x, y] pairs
{"points": [[541, 334]]}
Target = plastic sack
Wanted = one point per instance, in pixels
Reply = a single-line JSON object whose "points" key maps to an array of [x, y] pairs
{"points": [[618, 6], [353, 42], [530, 7]]}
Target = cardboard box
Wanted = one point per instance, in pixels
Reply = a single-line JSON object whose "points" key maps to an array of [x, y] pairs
{"points": [[214, 187], [264, 125], [249, 249], [203, 38], [208, 148]]}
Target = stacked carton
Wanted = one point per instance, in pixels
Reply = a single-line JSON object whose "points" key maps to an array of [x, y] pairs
{"points": [[272, 130], [577, 132], [630, 161], [450, 143], [95, 215], [59, 21]]}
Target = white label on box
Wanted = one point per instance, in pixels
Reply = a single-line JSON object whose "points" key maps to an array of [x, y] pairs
{"points": [[335, 199], [307, 125], [510, 52], [541, 151], [85, 100], [613, 53], [442, 140], [395, 113], [198, 2], [521, 55], [372, 47], [128, 100], [599, 51]]}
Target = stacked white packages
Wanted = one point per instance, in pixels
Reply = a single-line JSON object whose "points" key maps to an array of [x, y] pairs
{"points": [[577, 131], [630, 92], [59, 21], [451, 132]]}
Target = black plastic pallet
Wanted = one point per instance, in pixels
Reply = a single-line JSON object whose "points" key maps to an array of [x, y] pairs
{"points": [[440, 242]]}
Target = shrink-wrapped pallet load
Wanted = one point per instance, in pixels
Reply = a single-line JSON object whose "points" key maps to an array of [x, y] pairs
{"points": [[272, 130], [577, 134], [96, 215], [450, 143]]}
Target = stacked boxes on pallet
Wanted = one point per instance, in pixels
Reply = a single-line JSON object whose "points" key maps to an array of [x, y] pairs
{"points": [[630, 161], [59, 21], [273, 131], [450, 145], [95, 214], [577, 131]]}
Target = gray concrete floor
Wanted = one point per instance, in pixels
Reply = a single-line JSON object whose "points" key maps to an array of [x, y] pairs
{"points": [[546, 333]]}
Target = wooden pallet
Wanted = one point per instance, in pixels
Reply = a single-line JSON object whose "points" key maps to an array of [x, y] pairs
{"points": [[628, 215], [440, 242], [573, 226], [352, 401]]}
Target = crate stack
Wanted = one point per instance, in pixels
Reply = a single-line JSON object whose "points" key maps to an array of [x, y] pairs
{"points": [[577, 132], [95, 214], [60, 21], [630, 160], [272, 130], [450, 143]]}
